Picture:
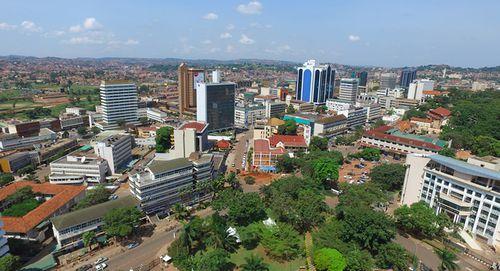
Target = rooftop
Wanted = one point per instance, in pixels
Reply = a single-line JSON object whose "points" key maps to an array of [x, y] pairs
{"points": [[465, 167], [158, 166], [200, 127], [62, 194], [331, 119], [440, 111], [288, 140], [87, 214], [275, 122], [116, 82], [392, 134], [263, 145]]}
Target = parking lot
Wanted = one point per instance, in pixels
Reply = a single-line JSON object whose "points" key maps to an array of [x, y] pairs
{"points": [[356, 171]]}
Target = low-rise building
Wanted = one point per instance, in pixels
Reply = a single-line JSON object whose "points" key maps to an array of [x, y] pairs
{"points": [[4, 247], [14, 141], [291, 143], [71, 121], [264, 157], [468, 193], [69, 228], [116, 149], [248, 115], [275, 109], [391, 140], [329, 127], [156, 115], [63, 146], [75, 169], [164, 183], [356, 116], [13, 162]]}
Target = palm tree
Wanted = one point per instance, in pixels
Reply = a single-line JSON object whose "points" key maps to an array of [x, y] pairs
{"points": [[254, 263], [448, 259], [180, 212]]}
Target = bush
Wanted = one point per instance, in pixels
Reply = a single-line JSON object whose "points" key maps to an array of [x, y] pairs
{"points": [[22, 208], [329, 259], [6, 178], [249, 180]]}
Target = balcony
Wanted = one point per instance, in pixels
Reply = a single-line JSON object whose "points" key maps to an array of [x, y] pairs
{"points": [[455, 205]]}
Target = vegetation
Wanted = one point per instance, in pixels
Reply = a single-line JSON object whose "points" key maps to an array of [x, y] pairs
{"points": [[288, 128], [282, 242], [318, 144], [120, 222], [370, 154], [249, 180], [26, 170], [6, 178], [350, 139], [421, 220], [392, 256], [95, 196], [242, 208], [290, 109], [254, 263], [21, 208], [10, 262], [448, 259], [163, 139], [447, 152], [88, 239], [329, 259], [389, 177]]}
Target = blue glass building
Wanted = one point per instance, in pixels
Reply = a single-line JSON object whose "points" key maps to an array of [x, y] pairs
{"points": [[407, 76], [315, 83]]}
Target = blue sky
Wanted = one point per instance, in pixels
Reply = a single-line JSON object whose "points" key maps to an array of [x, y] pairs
{"points": [[381, 33]]}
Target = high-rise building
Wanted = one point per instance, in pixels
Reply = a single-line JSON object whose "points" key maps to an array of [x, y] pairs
{"points": [[216, 105], [315, 83], [363, 78], [187, 80], [407, 76], [116, 149], [388, 80], [348, 89], [119, 104], [216, 76], [468, 192], [417, 87]]}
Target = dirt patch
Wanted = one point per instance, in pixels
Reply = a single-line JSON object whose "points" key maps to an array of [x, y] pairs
{"points": [[261, 179], [352, 173]]}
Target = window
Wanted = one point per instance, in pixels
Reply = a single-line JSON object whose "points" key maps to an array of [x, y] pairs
{"points": [[467, 199], [478, 194], [489, 197]]}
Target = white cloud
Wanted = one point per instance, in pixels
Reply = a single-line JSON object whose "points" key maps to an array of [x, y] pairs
{"points": [[211, 16], [230, 27], [6, 26], [131, 42], [354, 38], [30, 26], [207, 42], [84, 40], [225, 35], [229, 48], [117, 43], [89, 24], [253, 7], [246, 40], [285, 47], [214, 50]]}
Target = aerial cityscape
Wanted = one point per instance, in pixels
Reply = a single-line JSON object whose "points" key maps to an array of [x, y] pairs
{"points": [[248, 135]]}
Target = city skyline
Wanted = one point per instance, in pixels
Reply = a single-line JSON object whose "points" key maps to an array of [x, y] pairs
{"points": [[456, 33]]}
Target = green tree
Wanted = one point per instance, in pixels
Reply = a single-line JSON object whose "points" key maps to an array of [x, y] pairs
{"points": [[95, 196], [10, 262], [82, 130], [180, 212], [290, 109], [421, 220], [378, 123], [370, 154], [447, 258], [212, 260], [120, 222], [388, 176], [288, 128], [249, 180], [414, 113], [88, 238], [358, 260], [365, 196], [392, 256], [95, 130], [282, 242], [254, 263], [321, 109], [163, 139], [486, 145], [447, 152], [242, 208], [250, 235], [318, 144], [218, 235], [26, 170], [326, 171], [286, 164], [6, 178], [329, 259]]}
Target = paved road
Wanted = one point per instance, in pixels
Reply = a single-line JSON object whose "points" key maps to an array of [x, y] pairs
{"points": [[239, 150], [424, 252]]}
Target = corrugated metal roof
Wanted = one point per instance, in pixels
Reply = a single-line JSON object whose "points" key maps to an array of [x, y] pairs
{"points": [[465, 167]]}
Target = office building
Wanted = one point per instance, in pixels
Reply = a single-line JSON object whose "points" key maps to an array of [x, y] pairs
{"points": [[69, 228], [188, 78], [11, 163], [388, 80], [407, 76], [119, 104], [392, 141], [50, 152], [216, 76], [465, 191], [248, 115], [216, 105], [348, 90], [164, 183], [362, 78], [337, 105], [14, 141], [275, 109], [156, 115], [190, 137], [116, 150], [356, 116], [417, 88], [315, 83], [329, 127], [75, 169], [4, 247], [373, 112]]}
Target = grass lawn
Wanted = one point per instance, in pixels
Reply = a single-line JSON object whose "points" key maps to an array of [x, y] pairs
{"points": [[19, 105], [21, 208], [239, 256]]}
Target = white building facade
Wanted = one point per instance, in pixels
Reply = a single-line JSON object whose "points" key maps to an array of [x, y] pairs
{"points": [[348, 89], [116, 149], [417, 87], [119, 104]]}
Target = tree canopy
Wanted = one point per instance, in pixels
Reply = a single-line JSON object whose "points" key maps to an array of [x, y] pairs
{"points": [[388, 176], [288, 128], [163, 139], [421, 220], [329, 259], [282, 242], [120, 222], [95, 196], [10, 262], [318, 144]]}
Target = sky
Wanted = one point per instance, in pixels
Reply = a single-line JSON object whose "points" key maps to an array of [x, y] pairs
{"points": [[390, 33]]}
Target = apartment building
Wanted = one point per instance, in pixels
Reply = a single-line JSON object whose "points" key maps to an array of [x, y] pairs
{"points": [[164, 183], [468, 193], [76, 169], [116, 150], [69, 228]]}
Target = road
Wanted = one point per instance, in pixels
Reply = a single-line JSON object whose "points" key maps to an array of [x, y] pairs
{"points": [[239, 151]]}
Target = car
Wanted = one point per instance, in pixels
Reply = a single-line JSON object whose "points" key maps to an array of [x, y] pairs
{"points": [[84, 267], [113, 197], [100, 260], [101, 266], [132, 245]]}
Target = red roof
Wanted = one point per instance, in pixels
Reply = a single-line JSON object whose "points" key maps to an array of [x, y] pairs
{"points": [[435, 92], [263, 146], [380, 133], [288, 140], [439, 112], [415, 119], [61, 195], [199, 126], [223, 144]]}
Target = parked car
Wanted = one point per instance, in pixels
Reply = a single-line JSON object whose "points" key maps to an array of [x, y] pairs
{"points": [[113, 197], [84, 268], [101, 266], [100, 260], [132, 245]]}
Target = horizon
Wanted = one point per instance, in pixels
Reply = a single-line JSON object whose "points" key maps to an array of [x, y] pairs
{"points": [[399, 34]]}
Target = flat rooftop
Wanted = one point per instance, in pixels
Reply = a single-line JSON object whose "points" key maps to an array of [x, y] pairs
{"points": [[157, 166]]}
